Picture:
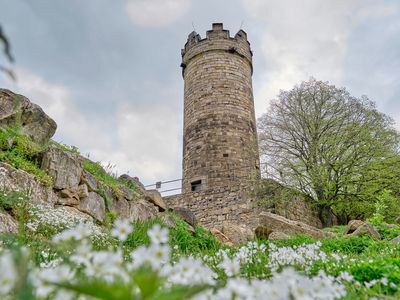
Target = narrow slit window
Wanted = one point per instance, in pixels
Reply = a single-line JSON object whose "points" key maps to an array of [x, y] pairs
{"points": [[196, 186]]}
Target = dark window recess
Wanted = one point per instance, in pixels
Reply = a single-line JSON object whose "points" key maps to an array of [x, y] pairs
{"points": [[225, 154], [196, 186]]}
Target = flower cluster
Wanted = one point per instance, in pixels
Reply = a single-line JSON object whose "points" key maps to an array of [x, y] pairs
{"points": [[286, 270]]}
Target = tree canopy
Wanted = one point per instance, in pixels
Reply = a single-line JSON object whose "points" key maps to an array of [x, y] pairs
{"points": [[335, 148]]}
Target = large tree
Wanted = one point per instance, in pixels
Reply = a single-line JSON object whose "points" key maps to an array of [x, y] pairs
{"points": [[322, 141]]}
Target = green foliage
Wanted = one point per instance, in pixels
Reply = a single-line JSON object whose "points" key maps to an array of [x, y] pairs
{"points": [[297, 240], [144, 280], [22, 153], [388, 231], [337, 149], [12, 199], [349, 244], [199, 241], [380, 208], [65, 147], [107, 178]]}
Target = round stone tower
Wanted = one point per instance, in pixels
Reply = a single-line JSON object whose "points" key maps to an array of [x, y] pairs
{"points": [[219, 132]]}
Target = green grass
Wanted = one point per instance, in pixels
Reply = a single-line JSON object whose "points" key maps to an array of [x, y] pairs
{"points": [[22, 153], [107, 179]]}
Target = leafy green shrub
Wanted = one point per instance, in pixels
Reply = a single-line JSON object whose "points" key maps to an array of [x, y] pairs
{"points": [[22, 153], [388, 233]]}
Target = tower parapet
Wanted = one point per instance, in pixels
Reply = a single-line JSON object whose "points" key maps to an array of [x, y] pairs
{"points": [[217, 39]]}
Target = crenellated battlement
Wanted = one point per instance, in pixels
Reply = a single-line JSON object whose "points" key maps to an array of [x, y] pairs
{"points": [[216, 39]]}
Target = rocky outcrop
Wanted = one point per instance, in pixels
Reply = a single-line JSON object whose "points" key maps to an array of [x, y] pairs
{"points": [[7, 223], [93, 205], [357, 228], [18, 180], [133, 181], [277, 223], [142, 210], [64, 167], [186, 214], [154, 197], [237, 234], [17, 109]]}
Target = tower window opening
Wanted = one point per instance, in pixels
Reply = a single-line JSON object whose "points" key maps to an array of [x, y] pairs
{"points": [[196, 186], [225, 155]]}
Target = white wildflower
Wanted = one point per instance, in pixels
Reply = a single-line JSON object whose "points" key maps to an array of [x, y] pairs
{"points": [[122, 229], [158, 235], [8, 273]]}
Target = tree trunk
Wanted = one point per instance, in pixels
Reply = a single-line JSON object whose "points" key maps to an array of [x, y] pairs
{"points": [[326, 216]]}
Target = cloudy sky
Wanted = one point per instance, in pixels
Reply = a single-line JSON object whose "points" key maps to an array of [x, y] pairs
{"points": [[108, 71]]}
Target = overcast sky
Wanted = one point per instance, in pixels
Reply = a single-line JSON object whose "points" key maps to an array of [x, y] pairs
{"points": [[108, 71]]}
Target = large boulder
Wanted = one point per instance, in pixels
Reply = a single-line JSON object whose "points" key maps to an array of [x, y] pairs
{"points": [[7, 223], [89, 180], [237, 234], [398, 220], [64, 167], [121, 207], [186, 214], [154, 196], [34, 122], [134, 181], [274, 222], [18, 180], [141, 210], [94, 206], [357, 228]]}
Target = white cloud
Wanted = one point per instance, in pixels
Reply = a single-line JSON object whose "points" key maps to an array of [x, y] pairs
{"points": [[55, 100], [148, 142], [156, 13], [144, 143], [306, 38]]}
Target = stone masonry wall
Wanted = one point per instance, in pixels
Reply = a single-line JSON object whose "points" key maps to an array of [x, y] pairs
{"points": [[212, 208], [220, 140]]}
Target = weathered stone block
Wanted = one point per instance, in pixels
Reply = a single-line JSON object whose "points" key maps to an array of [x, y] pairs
{"points": [[142, 210], [154, 196], [89, 180], [64, 167], [18, 180], [274, 222], [94, 206], [186, 214], [35, 123], [7, 223]]}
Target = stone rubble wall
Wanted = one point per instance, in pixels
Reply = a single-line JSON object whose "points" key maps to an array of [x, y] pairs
{"points": [[213, 208], [299, 209]]}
